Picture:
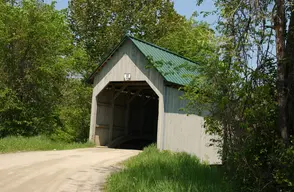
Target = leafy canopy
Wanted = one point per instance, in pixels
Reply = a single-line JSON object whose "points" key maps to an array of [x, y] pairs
{"points": [[99, 25]]}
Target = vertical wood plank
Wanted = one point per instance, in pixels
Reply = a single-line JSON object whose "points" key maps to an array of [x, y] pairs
{"points": [[111, 118], [142, 112], [127, 116]]}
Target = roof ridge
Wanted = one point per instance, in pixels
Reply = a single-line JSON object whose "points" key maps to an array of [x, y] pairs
{"points": [[134, 40], [161, 48]]}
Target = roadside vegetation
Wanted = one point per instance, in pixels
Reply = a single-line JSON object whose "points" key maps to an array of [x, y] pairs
{"points": [[165, 171], [37, 143], [243, 83]]}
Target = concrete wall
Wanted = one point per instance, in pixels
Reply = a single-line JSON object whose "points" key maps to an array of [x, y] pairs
{"points": [[185, 133], [123, 61]]}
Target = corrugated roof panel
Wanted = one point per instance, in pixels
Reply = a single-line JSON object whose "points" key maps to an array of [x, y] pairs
{"points": [[168, 62], [170, 67]]}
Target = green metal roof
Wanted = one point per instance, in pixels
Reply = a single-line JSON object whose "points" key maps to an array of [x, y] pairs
{"points": [[167, 63]]}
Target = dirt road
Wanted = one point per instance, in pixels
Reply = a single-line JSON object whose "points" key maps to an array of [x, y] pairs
{"points": [[80, 170]]}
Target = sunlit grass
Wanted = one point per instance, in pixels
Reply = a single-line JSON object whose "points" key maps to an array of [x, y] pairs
{"points": [[156, 171], [39, 143]]}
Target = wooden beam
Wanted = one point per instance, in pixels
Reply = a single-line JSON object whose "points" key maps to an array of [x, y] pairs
{"points": [[102, 126], [147, 101], [134, 96], [111, 119], [109, 105], [127, 116], [104, 104], [142, 112], [118, 128], [130, 92], [120, 90], [132, 83]]}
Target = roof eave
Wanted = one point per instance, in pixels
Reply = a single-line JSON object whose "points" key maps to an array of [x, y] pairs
{"points": [[172, 84], [90, 79]]}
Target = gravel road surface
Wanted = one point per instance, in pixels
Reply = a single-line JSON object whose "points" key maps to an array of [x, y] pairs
{"points": [[79, 170]]}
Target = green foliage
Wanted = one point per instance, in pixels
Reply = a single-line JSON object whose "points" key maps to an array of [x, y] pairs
{"points": [[153, 170], [193, 40], [34, 43], [38, 143], [39, 69], [242, 110], [74, 112], [42, 56], [100, 25], [239, 99]]}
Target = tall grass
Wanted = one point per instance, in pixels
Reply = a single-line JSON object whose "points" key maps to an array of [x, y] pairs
{"points": [[155, 171], [39, 143]]}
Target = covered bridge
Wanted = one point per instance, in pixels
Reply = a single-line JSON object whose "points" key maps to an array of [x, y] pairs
{"points": [[133, 101]]}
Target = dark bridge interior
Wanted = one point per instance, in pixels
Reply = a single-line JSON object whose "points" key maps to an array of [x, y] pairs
{"points": [[127, 115]]}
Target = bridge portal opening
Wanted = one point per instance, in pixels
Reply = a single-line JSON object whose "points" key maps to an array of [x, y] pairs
{"points": [[127, 115]]}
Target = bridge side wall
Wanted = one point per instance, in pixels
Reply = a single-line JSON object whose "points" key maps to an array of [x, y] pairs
{"points": [[186, 133]]}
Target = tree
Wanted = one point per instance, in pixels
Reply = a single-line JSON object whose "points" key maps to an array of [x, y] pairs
{"points": [[99, 25], [74, 112], [193, 40], [34, 43], [285, 62], [247, 93]]}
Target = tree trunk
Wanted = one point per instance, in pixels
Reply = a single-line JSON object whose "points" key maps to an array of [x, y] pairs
{"points": [[290, 73], [280, 21]]}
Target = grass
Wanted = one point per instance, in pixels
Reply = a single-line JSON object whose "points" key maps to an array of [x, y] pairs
{"points": [[39, 143], [155, 171]]}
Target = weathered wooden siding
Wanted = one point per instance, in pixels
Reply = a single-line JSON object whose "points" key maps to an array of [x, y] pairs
{"points": [[103, 111], [176, 131], [123, 61], [103, 116], [185, 133]]}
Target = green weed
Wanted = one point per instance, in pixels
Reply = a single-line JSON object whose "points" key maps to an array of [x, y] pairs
{"points": [[156, 171]]}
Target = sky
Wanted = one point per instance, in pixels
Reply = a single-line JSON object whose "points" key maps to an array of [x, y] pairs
{"points": [[183, 7]]}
